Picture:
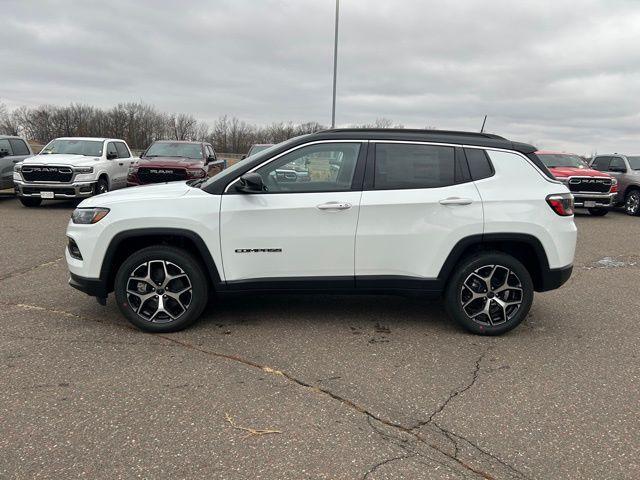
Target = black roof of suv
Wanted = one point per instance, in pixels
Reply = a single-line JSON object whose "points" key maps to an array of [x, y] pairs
{"points": [[217, 184]]}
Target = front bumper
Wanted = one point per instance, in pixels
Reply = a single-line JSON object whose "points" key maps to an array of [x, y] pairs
{"points": [[91, 286], [601, 200], [60, 190]]}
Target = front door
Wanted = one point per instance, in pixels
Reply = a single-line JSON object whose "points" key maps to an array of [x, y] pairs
{"points": [[302, 225]]}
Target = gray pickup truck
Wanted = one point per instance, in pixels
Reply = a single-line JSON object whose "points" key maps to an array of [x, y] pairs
{"points": [[625, 169], [12, 150]]}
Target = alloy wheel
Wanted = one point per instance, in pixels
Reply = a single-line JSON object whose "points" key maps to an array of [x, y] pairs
{"points": [[491, 295], [159, 291], [633, 203]]}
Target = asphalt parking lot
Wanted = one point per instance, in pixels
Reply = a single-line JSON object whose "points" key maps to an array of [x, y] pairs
{"points": [[317, 387]]}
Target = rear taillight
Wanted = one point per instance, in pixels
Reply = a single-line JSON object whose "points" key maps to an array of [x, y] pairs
{"points": [[614, 186], [561, 203]]}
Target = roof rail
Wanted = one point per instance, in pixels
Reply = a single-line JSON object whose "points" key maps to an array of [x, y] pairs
{"points": [[416, 130]]}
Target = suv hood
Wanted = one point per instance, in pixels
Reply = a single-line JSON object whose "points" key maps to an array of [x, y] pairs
{"points": [[75, 160], [169, 162], [576, 172], [133, 194]]}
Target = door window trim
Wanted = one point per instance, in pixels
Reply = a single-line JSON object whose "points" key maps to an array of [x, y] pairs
{"points": [[356, 183]]}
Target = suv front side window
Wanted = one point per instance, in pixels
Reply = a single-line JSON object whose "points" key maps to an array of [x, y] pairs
{"points": [[601, 163], [19, 147], [407, 166], [324, 167]]}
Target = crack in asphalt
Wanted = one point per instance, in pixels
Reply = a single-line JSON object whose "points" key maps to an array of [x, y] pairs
{"points": [[345, 401], [454, 394], [385, 462], [22, 271]]}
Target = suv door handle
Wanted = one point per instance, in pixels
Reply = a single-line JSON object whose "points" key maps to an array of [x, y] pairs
{"points": [[334, 206], [121, 163], [456, 201]]}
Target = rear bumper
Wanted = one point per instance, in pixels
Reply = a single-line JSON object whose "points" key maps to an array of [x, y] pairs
{"points": [[60, 190], [554, 278], [599, 199]]}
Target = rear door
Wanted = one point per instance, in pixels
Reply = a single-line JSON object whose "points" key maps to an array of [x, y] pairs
{"points": [[303, 227], [417, 204], [12, 151]]}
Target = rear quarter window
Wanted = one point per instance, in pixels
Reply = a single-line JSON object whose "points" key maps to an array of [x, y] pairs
{"points": [[479, 164]]}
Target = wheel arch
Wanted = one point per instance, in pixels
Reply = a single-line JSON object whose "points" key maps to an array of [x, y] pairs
{"points": [[126, 243], [525, 248]]}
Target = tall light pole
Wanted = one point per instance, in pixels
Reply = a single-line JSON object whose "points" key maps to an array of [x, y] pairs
{"points": [[335, 67]]}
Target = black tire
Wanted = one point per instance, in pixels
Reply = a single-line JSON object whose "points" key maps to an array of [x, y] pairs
{"points": [[179, 264], [632, 202], [501, 319], [598, 212], [101, 186], [30, 201]]}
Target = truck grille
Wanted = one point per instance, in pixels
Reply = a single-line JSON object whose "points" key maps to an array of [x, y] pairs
{"points": [[155, 175], [42, 173], [596, 185]]}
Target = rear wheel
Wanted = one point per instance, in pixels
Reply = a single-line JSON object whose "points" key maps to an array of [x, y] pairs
{"points": [[490, 293], [598, 212], [632, 203], [30, 201], [161, 289]]}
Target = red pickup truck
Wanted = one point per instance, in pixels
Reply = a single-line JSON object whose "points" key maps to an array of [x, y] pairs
{"points": [[591, 189]]}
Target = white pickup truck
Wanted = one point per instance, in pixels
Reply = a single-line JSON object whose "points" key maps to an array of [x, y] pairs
{"points": [[72, 167]]}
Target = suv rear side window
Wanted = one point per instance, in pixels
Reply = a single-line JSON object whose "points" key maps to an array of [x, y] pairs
{"points": [[479, 163], [5, 147], [19, 147], [123, 151], [400, 166]]}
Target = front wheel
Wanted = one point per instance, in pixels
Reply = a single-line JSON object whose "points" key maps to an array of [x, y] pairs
{"points": [[102, 186], [632, 203], [598, 212], [30, 201], [161, 289], [490, 293]]}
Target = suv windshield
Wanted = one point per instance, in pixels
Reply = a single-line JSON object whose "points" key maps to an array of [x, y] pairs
{"points": [[634, 162], [552, 160], [175, 149], [88, 148]]}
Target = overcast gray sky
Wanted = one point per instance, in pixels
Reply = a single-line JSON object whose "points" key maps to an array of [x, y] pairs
{"points": [[563, 74]]}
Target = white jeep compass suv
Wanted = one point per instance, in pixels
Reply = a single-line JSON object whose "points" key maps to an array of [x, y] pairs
{"points": [[473, 217]]}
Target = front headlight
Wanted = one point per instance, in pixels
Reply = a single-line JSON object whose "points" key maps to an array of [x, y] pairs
{"points": [[195, 173], [83, 169], [86, 216]]}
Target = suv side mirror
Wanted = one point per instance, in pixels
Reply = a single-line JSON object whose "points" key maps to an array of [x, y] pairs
{"points": [[4, 153], [112, 155], [251, 183]]}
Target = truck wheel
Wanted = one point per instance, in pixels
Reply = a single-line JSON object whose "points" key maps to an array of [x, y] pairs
{"points": [[102, 186], [632, 203], [30, 201], [161, 289], [598, 212], [489, 293]]}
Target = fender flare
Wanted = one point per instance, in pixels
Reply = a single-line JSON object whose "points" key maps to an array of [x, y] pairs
{"points": [[106, 269]]}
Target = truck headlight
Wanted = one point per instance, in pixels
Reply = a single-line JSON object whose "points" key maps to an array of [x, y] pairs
{"points": [[83, 169], [17, 167], [86, 216], [195, 173]]}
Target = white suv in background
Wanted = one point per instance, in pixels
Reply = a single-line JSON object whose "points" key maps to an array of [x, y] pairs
{"points": [[473, 217], [73, 167]]}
